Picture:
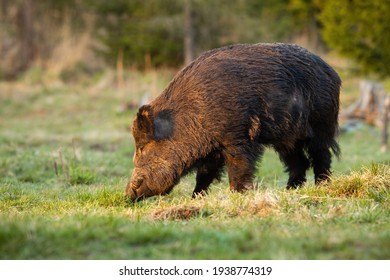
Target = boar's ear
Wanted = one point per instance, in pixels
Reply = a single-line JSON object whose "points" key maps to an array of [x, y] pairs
{"points": [[156, 127], [144, 121], [163, 124]]}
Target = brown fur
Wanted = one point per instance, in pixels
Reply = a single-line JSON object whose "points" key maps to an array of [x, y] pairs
{"points": [[225, 107]]}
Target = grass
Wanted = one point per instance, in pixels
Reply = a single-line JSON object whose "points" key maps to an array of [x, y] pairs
{"points": [[65, 158]]}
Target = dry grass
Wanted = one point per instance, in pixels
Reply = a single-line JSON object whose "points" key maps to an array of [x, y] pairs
{"points": [[363, 183], [369, 186], [181, 212]]}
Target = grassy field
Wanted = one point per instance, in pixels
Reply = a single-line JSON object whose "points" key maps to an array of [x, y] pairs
{"points": [[65, 158]]}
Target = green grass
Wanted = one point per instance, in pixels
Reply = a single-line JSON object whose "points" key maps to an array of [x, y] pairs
{"points": [[65, 158]]}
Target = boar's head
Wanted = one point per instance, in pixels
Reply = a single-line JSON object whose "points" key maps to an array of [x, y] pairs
{"points": [[156, 168]]}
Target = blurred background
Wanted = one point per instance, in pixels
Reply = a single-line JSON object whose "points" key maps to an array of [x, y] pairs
{"points": [[67, 39]]}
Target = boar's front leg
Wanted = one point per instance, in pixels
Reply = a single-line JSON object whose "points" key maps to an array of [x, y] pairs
{"points": [[209, 168], [240, 171]]}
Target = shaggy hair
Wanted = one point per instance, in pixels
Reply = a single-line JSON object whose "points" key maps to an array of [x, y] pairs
{"points": [[227, 106]]}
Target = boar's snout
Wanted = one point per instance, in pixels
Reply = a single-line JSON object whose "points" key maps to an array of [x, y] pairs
{"points": [[141, 186], [138, 189], [131, 192], [134, 188]]}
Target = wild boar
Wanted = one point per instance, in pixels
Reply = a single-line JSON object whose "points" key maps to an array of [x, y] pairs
{"points": [[226, 107]]}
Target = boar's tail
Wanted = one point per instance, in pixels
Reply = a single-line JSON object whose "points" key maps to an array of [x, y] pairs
{"points": [[334, 146]]}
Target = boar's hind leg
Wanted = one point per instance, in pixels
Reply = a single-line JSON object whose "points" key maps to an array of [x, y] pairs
{"points": [[296, 164], [209, 168], [321, 161]]}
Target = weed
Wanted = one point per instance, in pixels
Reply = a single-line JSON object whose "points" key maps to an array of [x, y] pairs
{"points": [[79, 175], [73, 173]]}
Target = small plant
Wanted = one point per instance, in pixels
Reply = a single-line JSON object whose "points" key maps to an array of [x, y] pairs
{"points": [[73, 173], [79, 175]]}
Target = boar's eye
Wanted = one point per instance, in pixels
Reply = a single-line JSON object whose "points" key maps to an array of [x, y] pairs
{"points": [[140, 149]]}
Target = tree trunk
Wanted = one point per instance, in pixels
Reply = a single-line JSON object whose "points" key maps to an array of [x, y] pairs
{"points": [[385, 131], [119, 69], [24, 22], [189, 48], [372, 107]]}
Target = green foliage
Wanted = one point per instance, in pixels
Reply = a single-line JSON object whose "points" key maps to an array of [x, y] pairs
{"points": [[139, 30], [268, 21], [152, 32], [146, 33], [358, 29]]}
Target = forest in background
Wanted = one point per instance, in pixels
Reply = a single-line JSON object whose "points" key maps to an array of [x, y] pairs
{"points": [[61, 37]]}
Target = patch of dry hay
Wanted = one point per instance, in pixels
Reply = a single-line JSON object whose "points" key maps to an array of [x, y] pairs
{"points": [[181, 212], [264, 205], [361, 183]]}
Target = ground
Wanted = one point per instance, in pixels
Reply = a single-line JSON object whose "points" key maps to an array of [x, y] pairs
{"points": [[66, 155]]}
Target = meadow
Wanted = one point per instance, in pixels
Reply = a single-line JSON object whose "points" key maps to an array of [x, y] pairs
{"points": [[66, 155]]}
